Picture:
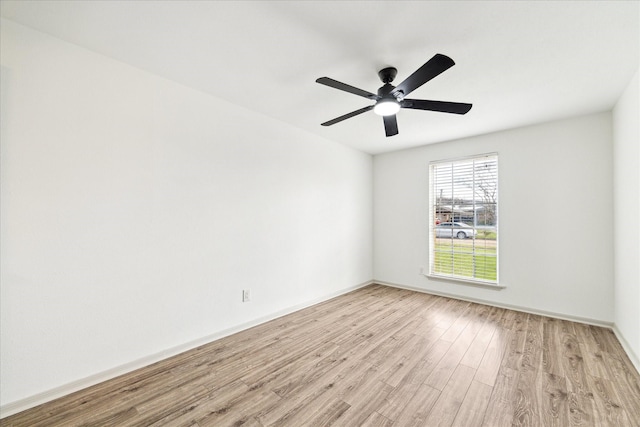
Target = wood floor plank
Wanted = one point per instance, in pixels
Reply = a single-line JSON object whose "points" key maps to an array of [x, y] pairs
{"points": [[388, 348], [581, 411], [474, 405], [492, 359], [527, 400], [478, 347], [377, 420], [408, 387], [239, 410], [173, 404], [365, 400], [627, 383], [377, 356], [555, 407], [411, 356], [454, 309], [345, 376], [606, 403], [501, 407], [448, 364], [446, 408], [458, 325], [299, 374], [594, 362], [329, 414], [552, 339], [514, 349], [418, 407], [519, 321]]}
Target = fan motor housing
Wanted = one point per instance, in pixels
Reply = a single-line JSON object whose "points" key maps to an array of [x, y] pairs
{"points": [[387, 74]]}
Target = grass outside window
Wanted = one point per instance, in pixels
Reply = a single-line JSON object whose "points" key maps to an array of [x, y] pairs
{"points": [[465, 261]]}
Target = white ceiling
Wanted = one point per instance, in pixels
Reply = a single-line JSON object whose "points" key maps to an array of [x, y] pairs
{"points": [[518, 62]]}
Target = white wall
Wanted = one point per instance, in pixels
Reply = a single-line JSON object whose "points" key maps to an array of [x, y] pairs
{"points": [[555, 217], [626, 180], [135, 210]]}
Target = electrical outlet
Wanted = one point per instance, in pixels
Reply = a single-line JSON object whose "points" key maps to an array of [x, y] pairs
{"points": [[246, 295]]}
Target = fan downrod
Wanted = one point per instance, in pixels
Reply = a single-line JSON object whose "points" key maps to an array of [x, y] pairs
{"points": [[387, 74]]}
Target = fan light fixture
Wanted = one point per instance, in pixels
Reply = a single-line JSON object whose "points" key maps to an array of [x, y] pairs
{"points": [[386, 107]]}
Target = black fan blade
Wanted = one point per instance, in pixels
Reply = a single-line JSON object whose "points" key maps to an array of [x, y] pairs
{"points": [[442, 106], [345, 87], [429, 70], [390, 125], [347, 116]]}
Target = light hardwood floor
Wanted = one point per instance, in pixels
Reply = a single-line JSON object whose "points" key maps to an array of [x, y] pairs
{"points": [[377, 356]]}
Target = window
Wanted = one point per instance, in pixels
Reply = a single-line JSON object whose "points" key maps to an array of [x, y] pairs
{"points": [[463, 219]]}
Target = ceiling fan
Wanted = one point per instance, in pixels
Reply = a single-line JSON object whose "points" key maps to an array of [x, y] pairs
{"points": [[391, 98]]}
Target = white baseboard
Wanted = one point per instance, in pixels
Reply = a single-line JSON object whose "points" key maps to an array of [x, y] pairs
{"points": [[57, 392], [530, 310]]}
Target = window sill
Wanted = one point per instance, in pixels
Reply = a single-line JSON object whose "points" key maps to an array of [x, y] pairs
{"points": [[462, 281]]}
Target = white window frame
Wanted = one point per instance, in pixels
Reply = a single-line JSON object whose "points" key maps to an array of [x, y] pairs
{"points": [[475, 250]]}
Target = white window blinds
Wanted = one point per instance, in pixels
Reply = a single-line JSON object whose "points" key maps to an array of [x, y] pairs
{"points": [[464, 218]]}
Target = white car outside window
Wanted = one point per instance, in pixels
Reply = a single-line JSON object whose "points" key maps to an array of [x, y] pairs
{"points": [[459, 230]]}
